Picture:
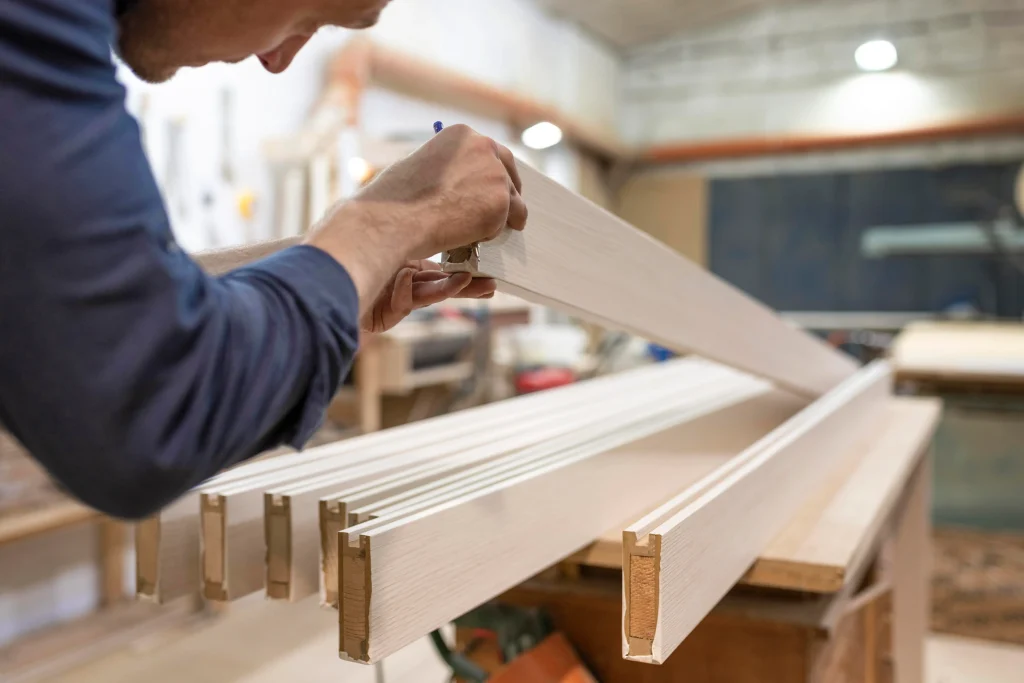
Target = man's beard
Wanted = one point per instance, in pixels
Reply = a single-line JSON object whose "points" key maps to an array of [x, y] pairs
{"points": [[142, 41]]}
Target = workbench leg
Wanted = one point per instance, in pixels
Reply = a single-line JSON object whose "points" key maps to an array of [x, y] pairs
{"points": [[912, 557], [112, 538]]}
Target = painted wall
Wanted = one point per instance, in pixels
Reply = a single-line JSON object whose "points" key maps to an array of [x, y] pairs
{"points": [[507, 43], [789, 70], [793, 240], [672, 207]]}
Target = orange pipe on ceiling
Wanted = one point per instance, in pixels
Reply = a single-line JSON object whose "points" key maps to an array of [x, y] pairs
{"points": [[362, 63]]}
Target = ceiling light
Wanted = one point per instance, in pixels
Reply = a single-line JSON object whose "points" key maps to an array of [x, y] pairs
{"points": [[542, 136], [359, 169], [876, 55]]}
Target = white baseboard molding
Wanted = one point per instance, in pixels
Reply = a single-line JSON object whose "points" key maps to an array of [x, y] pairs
{"points": [[401, 578]]}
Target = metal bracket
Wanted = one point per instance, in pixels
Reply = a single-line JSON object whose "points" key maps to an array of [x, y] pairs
{"points": [[461, 260]]}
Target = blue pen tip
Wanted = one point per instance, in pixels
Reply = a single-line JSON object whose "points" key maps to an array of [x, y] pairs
{"points": [[438, 126]]}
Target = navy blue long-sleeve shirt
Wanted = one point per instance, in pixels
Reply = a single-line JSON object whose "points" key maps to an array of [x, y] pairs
{"points": [[128, 372]]}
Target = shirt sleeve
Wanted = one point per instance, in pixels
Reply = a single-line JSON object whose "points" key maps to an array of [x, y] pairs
{"points": [[125, 369]]}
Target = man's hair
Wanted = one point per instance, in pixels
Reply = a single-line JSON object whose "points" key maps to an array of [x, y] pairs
{"points": [[122, 6]]}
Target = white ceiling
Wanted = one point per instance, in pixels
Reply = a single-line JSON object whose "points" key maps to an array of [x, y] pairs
{"points": [[627, 23]]}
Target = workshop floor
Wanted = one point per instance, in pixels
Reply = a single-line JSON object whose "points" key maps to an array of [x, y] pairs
{"points": [[300, 644], [978, 585], [257, 642], [951, 659]]}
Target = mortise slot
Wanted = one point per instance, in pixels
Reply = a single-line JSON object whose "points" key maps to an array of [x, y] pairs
{"points": [[331, 523], [277, 517], [214, 581]]}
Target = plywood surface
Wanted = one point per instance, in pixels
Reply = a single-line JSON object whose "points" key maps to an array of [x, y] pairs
{"points": [[989, 352], [834, 531]]}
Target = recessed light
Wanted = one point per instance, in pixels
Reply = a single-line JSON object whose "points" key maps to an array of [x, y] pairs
{"points": [[542, 136], [876, 55], [359, 169]]}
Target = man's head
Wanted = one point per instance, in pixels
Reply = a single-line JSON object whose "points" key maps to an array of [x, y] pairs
{"points": [[158, 37]]}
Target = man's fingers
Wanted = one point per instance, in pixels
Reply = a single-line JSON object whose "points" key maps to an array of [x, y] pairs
{"points": [[401, 294], [426, 265], [429, 276], [517, 212], [509, 160], [429, 293], [479, 288]]}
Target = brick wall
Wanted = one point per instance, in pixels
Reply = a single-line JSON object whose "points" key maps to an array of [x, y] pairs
{"points": [[790, 70]]}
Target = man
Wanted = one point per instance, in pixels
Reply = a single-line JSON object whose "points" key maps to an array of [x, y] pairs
{"points": [[129, 373]]}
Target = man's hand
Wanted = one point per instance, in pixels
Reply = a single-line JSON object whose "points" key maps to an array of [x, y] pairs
{"points": [[459, 188], [417, 285]]}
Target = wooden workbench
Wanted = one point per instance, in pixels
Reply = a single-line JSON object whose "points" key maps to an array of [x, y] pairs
{"points": [[43, 509], [942, 356], [841, 595]]}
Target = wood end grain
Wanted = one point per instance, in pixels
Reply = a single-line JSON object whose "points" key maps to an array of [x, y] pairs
{"points": [[277, 528], [641, 563], [354, 594], [332, 517], [213, 510], [643, 617]]}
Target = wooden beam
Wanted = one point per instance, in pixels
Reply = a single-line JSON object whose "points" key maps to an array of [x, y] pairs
{"points": [[569, 252], [363, 63], [401, 578], [688, 152], [21, 525], [676, 566], [221, 261]]}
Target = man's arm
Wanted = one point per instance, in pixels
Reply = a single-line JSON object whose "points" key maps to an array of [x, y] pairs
{"points": [[127, 371]]}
